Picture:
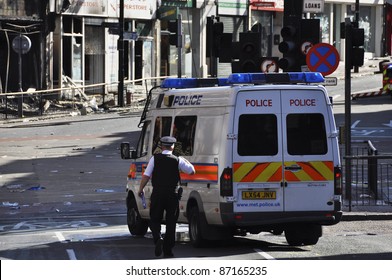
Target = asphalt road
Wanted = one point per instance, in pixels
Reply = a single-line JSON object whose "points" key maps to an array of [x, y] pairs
{"points": [[64, 166]]}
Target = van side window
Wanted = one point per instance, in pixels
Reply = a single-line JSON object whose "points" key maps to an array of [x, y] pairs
{"points": [[161, 128], [184, 131], [257, 135], [143, 143], [306, 134]]}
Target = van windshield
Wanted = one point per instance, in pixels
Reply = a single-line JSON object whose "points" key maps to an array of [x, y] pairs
{"points": [[257, 135]]}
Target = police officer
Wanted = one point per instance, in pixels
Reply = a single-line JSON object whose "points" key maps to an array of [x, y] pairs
{"points": [[163, 169]]}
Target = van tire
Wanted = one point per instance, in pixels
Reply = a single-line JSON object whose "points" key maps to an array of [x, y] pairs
{"points": [[195, 230], [303, 234], [136, 225]]}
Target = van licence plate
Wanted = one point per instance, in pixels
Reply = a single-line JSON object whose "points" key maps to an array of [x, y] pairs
{"points": [[258, 195]]}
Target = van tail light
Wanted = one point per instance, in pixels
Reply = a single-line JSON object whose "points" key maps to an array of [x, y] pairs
{"points": [[226, 182], [338, 180]]}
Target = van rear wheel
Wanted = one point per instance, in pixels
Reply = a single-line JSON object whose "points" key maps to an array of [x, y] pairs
{"points": [[136, 225], [195, 234]]}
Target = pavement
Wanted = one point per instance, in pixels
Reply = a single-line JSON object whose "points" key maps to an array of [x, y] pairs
{"points": [[354, 213]]}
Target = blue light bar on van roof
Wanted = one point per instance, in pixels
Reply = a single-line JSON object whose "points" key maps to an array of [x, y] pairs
{"points": [[276, 78], [193, 82], [245, 78]]}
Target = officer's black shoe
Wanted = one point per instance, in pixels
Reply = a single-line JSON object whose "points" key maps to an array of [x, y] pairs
{"points": [[158, 247]]}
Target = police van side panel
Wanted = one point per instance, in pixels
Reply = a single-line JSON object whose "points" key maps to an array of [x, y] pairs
{"points": [[202, 189], [206, 147]]}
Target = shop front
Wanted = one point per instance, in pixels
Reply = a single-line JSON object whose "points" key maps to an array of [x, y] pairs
{"points": [[86, 43], [23, 31]]}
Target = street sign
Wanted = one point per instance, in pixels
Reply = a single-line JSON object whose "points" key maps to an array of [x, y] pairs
{"points": [[323, 58], [313, 6], [330, 81], [168, 13], [269, 65], [305, 47]]}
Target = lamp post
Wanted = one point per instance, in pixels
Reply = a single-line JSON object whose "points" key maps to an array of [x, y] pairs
{"points": [[120, 48]]}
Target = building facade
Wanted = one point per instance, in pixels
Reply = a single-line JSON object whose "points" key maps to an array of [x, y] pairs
{"points": [[75, 42]]}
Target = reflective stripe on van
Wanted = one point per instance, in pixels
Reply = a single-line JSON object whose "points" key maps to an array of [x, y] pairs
{"points": [[257, 172], [204, 173], [272, 171]]}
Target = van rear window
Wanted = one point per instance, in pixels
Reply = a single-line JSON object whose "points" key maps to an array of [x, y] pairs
{"points": [[257, 135], [306, 134]]}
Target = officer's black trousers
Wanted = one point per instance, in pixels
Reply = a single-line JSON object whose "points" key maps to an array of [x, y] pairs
{"points": [[164, 200]]}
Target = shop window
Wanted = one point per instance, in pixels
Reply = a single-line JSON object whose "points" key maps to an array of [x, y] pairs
{"points": [[257, 135], [325, 20], [94, 57], [366, 21], [73, 47]]}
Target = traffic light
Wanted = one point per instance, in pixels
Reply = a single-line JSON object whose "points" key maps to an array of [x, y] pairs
{"points": [[214, 32], [290, 46], [250, 52], [357, 50], [175, 38], [225, 53]]}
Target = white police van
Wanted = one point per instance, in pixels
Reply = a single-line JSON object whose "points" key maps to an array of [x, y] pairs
{"points": [[265, 151]]}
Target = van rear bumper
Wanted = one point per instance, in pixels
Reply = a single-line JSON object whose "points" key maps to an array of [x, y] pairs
{"points": [[246, 219]]}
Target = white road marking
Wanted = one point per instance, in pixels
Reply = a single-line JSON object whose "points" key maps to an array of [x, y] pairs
{"points": [[355, 124], [71, 254], [264, 254], [60, 236]]}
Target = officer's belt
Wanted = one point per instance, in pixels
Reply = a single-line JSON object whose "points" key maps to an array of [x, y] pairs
{"points": [[165, 188]]}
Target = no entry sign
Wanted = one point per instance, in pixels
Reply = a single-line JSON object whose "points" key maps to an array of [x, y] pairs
{"points": [[322, 58]]}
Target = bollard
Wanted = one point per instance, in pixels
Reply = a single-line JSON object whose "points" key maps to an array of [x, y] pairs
{"points": [[372, 176], [20, 106]]}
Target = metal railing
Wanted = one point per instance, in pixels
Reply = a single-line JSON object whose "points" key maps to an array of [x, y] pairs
{"points": [[13, 104], [371, 176]]}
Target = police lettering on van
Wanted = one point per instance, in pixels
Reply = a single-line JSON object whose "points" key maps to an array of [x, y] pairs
{"points": [[187, 100], [265, 151]]}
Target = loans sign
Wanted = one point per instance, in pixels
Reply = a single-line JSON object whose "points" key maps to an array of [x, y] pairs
{"points": [[313, 6]]}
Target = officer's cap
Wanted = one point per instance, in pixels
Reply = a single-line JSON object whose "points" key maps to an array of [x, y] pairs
{"points": [[168, 141]]}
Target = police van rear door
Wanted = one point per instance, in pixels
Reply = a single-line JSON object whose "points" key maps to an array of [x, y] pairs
{"points": [[282, 159], [307, 151], [257, 152]]}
